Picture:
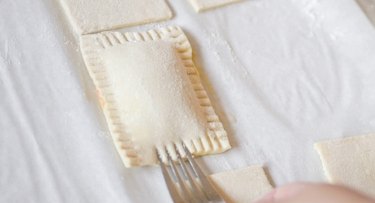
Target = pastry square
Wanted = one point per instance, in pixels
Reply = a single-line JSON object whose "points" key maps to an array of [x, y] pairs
{"points": [[350, 161], [242, 185], [151, 95], [203, 5], [89, 16]]}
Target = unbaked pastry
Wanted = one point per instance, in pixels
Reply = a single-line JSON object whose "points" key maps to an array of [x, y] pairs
{"points": [[88, 16], [350, 161], [151, 94], [243, 185], [202, 5]]}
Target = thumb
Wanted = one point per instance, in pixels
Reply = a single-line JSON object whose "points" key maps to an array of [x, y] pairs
{"points": [[312, 193]]}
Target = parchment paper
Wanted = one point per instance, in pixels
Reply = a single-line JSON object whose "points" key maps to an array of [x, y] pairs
{"points": [[282, 75]]}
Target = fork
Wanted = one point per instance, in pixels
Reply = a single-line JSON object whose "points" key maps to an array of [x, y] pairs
{"points": [[185, 181]]}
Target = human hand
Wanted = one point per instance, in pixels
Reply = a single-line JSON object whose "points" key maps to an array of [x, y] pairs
{"points": [[314, 193]]}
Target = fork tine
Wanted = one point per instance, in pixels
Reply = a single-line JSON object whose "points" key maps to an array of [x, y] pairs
{"points": [[208, 190], [185, 192], [195, 190], [168, 181]]}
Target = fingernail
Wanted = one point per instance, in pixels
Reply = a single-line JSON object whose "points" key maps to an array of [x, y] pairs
{"points": [[286, 192], [268, 198]]}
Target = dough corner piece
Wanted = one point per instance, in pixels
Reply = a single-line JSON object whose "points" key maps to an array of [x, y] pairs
{"points": [[204, 5], [242, 185], [141, 79], [350, 161], [90, 16]]}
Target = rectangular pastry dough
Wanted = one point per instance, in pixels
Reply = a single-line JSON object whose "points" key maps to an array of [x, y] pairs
{"points": [[243, 185], [350, 161], [151, 94], [89, 16], [203, 5]]}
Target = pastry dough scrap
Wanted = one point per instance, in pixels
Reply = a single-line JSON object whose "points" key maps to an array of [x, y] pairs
{"points": [[203, 5], [350, 161], [88, 16], [151, 94], [243, 185]]}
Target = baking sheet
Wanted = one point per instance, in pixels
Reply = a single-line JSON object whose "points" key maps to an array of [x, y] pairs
{"points": [[282, 75]]}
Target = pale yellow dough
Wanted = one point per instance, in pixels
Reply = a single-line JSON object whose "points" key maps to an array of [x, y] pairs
{"points": [[203, 5], [151, 95], [350, 161], [89, 16], [242, 186]]}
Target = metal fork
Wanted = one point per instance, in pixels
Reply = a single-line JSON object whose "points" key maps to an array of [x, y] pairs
{"points": [[186, 182]]}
